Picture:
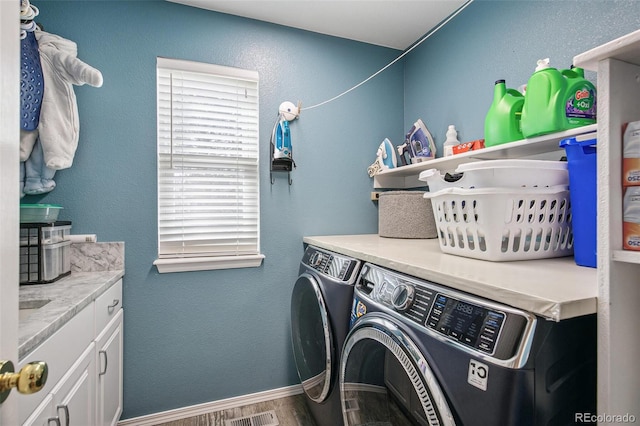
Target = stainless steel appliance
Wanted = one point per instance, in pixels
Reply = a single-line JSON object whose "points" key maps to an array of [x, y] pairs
{"points": [[320, 311], [419, 353]]}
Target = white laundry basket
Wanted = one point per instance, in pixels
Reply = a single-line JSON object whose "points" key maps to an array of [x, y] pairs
{"points": [[515, 173], [503, 224]]}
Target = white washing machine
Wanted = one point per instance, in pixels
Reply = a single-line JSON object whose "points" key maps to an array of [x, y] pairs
{"points": [[419, 353]]}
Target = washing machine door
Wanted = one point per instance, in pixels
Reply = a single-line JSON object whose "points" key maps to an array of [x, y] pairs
{"points": [[385, 380], [312, 338]]}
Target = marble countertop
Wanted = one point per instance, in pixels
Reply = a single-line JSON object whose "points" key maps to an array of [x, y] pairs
{"points": [[95, 267], [556, 289], [68, 296]]}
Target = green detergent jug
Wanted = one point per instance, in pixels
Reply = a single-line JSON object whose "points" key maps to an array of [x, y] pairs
{"points": [[544, 102], [502, 123], [580, 104]]}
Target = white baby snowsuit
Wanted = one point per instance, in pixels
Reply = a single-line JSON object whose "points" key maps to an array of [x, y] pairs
{"points": [[59, 123]]}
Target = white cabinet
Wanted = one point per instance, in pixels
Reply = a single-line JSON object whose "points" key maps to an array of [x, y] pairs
{"points": [[109, 321], [60, 351], [618, 66], [72, 399], [84, 386], [74, 395], [44, 415], [109, 361]]}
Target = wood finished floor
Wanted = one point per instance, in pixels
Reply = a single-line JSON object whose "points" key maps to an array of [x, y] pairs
{"points": [[291, 411]]}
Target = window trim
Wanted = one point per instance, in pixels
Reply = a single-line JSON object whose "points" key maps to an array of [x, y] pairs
{"points": [[203, 263], [187, 264]]}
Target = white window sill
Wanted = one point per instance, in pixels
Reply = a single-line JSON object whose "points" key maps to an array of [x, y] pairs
{"points": [[188, 264]]}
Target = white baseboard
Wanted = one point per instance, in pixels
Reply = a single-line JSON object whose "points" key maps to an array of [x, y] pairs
{"points": [[208, 407]]}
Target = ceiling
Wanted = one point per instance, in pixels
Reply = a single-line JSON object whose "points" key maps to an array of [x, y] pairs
{"points": [[396, 24]]}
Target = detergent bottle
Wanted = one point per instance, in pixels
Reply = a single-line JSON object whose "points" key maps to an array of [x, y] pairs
{"points": [[544, 103], [451, 141], [580, 104], [502, 123]]}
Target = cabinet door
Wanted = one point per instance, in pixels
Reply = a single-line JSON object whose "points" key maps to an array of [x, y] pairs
{"points": [[74, 396], [107, 306], [44, 415], [61, 351], [109, 361]]}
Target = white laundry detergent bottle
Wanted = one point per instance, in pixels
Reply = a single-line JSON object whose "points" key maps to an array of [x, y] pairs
{"points": [[631, 219], [452, 140], [631, 154]]}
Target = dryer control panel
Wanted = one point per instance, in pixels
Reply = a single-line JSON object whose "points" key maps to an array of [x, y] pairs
{"points": [[488, 328], [334, 265]]}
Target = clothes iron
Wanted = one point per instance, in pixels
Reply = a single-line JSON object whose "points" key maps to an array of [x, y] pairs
{"points": [[420, 143], [281, 148], [403, 155], [385, 158]]}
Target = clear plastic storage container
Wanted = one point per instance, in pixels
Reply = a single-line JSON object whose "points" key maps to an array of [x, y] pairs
{"points": [[39, 213], [44, 252]]}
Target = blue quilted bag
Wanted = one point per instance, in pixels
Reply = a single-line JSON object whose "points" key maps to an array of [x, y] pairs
{"points": [[31, 83]]}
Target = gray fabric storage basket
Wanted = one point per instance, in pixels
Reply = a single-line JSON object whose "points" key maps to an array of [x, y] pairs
{"points": [[405, 214]]}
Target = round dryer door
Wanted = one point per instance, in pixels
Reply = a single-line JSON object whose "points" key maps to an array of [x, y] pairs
{"points": [[384, 380], [311, 337]]}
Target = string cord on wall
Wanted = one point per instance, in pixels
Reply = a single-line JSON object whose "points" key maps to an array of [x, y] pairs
{"points": [[372, 76]]}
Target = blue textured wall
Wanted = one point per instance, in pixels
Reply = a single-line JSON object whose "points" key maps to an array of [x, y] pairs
{"points": [[449, 78], [204, 336]]}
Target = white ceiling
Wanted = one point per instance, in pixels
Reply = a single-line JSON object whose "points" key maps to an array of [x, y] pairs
{"points": [[396, 24]]}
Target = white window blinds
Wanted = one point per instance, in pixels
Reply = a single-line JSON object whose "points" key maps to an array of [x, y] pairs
{"points": [[208, 180]]}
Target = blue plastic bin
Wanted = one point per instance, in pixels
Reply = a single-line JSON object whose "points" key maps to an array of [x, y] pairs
{"points": [[582, 161]]}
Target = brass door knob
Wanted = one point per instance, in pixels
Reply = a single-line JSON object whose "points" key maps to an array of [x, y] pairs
{"points": [[30, 379]]}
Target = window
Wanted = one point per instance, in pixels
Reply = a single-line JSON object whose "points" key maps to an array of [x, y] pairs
{"points": [[208, 177]]}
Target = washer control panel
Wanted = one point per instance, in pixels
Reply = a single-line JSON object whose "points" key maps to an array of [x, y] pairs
{"points": [[483, 326], [466, 322], [334, 265]]}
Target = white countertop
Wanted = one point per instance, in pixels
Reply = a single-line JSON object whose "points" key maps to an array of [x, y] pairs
{"points": [[67, 296], [95, 267], [556, 289]]}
